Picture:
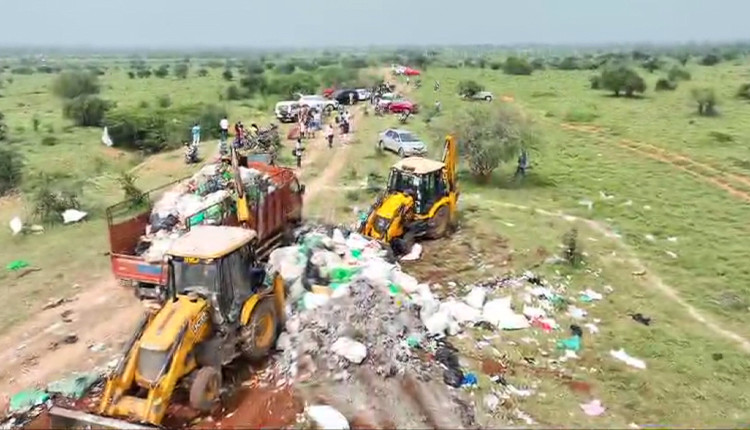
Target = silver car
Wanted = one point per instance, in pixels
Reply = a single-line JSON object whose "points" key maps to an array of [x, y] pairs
{"points": [[403, 142]]}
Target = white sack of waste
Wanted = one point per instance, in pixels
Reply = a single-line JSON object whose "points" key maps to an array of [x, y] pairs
{"points": [[167, 203], [326, 417], [325, 259], [288, 262], [312, 301], [532, 312], [406, 282], [414, 254], [377, 273], [476, 297], [106, 140], [460, 312], [16, 225], [350, 349], [437, 323], [73, 215], [338, 237], [356, 241], [499, 313]]}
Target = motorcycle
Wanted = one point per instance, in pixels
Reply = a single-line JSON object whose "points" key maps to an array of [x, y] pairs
{"points": [[191, 153]]}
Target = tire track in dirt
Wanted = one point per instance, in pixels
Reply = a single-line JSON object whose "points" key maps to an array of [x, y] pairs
{"points": [[729, 182], [632, 259]]}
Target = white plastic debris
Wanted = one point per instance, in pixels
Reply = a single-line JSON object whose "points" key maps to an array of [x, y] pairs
{"points": [[491, 402], [499, 313], [532, 312], [312, 301], [16, 225], [593, 408], [73, 215], [460, 312], [623, 356], [577, 313], [592, 328], [437, 323], [414, 254], [326, 417], [476, 297], [106, 140], [350, 349], [591, 294], [406, 282]]}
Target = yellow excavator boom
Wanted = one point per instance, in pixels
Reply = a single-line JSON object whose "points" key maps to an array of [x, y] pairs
{"points": [[450, 159]]}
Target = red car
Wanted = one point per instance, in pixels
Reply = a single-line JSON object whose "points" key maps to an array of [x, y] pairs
{"points": [[399, 106], [411, 72]]}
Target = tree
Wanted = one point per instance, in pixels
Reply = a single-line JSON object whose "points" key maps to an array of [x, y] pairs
{"points": [[710, 60], [131, 74], [517, 66], [162, 71], [86, 111], [743, 92], [706, 99], [3, 128], [233, 92], [11, 169], [181, 70], [254, 84], [469, 88], [569, 63], [144, 73], [286, 68], [678, 74], [227, 75], [69, 85], [651, 64], [489, 135], [202, 73], [621, 79], [664, 84]]}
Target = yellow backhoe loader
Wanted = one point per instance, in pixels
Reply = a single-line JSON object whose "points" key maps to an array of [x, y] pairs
{"points": [[219, 306], [420, 200]]}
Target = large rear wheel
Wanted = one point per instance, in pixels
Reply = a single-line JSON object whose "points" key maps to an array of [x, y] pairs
{"points": [[259, 335], [205, 389], [439, 225]]}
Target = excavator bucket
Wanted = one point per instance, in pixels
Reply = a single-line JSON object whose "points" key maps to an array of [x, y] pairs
{"points": [[61, 418]]}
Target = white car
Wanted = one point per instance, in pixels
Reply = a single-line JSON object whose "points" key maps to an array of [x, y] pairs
{"points": [[402, 142], [318, 102], [363, 94]]}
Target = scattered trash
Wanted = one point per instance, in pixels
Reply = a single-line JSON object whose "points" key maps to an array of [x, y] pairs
{"points": [[53, 303], [623, 356], [575, 330], [499, 313], [414, 254], [476, 297], [350, 349], [16, 225], [590, 296], [639, 317], [74, 386], [26, 400], [588, 203], [592, 328], [593, 409], [491, 402], [327, 417], [17, 265], [469, 379], [573, 343], [577, 313], [73, 215]]}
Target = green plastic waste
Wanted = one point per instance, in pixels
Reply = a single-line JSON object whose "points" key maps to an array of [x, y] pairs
{"points": [[342, 274], [363, 216], [197, 219], [413, 341], [394, 289], [336, 285], [357, 253], [27, 399], [17, 265], [572, 343], [74, 386]]}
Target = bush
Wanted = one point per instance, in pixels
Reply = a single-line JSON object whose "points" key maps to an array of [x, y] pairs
{"points": [[621, 79], [227, 75], [49, 141], [286, 68], [664, 84], [52, 197], [86, 111], [11, 169], [572, 252], [517, 66], [489, 135], [162, 71], [254, 68], [596, 82], [469, 88], [287, 86], [743, 92], [181, 71], [581, 115], [233, 92], [338, 76], [496, 65], [144, 73], [164, 101], [678, 74], [131, 74], [710, 60], [537, 64], [132, 193], [3, 128], [254, 84], [651, 64], [202, 73], [706, 99], [23, 70], [569, 63], [70, 85]]}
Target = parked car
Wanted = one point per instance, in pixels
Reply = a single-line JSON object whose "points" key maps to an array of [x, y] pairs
{"points": [[408, 71], [363, 94], [287, 111], [342, 96], [481, 95], [403, 142], [402, 106], [318, 102]]}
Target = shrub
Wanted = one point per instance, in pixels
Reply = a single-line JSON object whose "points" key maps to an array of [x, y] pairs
{"points": [[651, 64], [572, 252], [181, 71], [164, 101], [517, 66], [23, 70], [202, 73], [596, 82], [706, 100], [254, 68], [233, 93], [52, 197], [580, 115], [286, 68], [3, 128], [49, 141], [131, 74], [131, 191], [496, 65], [678, 74], [569, 63], [469, 88], [144, 73], [743, 92], [254, 84], [227, 75], [86, 111], [162, 71], [621, 79], [710, 60], [70, 85], [664, 84], [11, 169]]}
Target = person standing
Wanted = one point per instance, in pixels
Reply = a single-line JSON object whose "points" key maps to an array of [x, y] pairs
{"points": [[523, 165], [224, 128], [196, 131], [329, 135], [298, 149]]}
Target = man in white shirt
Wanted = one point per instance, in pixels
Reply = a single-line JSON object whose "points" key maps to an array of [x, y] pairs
{"points": [[224, 125]]}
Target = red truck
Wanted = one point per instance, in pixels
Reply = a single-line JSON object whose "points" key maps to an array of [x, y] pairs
{"points": [[273, 219]]}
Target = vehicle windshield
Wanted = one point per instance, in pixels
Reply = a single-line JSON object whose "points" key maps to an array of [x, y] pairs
{"points": [[403, 182], [187, 276], [313, 98], [408, 137]]}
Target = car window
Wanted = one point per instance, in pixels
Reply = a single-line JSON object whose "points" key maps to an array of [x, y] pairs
{"points": [[408, 137]]}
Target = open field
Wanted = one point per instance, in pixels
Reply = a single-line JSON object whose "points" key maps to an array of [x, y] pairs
{"points": [[659, 196]]}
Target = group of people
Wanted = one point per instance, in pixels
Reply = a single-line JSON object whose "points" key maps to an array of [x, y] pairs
{"points": [[240, 134]]}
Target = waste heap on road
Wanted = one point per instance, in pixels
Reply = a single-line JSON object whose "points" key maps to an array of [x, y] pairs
{"points": [[197, 200]]}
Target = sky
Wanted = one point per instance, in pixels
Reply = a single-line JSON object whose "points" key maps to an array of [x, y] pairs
{"points": [[322, 23]]}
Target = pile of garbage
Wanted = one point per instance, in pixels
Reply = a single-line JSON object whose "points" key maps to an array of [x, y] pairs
{"points": [[205, 198]]}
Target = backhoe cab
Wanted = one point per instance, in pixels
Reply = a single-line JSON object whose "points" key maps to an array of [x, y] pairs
{"points": [[219, 306], [420, 200]]}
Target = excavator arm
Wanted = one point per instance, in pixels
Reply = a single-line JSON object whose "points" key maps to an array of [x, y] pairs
{"points": [[450, 159], [243, 210]]}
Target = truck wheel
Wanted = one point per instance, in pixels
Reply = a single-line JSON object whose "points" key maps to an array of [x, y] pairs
{"points": [[259, 335], [488, 98], [438, 225], [380, 145], [205, 389]]}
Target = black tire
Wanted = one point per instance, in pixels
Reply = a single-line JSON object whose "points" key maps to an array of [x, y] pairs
{"points": [[439, 225], [380, 145], [401, 152], [258, 338], [488, 98], [205, 388]]}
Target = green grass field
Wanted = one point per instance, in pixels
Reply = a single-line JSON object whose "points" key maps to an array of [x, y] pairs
{"points": [[683, 227]]}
